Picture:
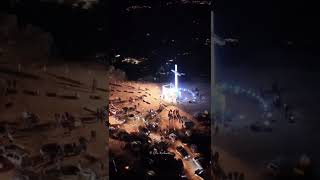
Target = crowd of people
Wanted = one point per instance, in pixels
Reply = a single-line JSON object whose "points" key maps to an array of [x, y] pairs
{"points": [[174, 114], [154, 123]]}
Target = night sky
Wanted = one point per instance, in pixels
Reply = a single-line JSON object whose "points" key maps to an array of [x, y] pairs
{"points": [[263, 28], [274, 20]]}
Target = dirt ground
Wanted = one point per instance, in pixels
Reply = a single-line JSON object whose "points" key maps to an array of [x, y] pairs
{"points": [[64, 80], [151, 93]]}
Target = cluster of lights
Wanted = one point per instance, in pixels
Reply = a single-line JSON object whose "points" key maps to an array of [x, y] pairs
{"points": [[85, 4], [132, 8], [249, 92], [194, 97], [133, 60], [203, 2], [171, 94]]}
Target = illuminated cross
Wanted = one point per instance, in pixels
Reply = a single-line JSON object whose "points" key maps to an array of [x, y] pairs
{"points": [[176, 74]]}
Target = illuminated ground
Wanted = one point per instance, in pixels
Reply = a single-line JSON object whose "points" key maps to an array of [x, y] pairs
{"points": [[64, 80], [151, 94]]}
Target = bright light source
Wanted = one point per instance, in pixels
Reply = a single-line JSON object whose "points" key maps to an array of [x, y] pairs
{"points": [[171, 93]]}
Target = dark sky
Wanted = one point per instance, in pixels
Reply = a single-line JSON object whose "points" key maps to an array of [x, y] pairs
{"points": [[73, 28], [268, 20], [247, 19], [263, 27]]}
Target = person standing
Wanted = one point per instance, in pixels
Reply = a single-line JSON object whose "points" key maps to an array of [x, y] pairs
{"points": [[170, 114], [174, 114], [93, 135]]}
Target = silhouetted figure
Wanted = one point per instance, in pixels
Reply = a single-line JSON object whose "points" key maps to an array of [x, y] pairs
{"points": [[93, 134], [277, 101], [170, 114], [286, 110]]}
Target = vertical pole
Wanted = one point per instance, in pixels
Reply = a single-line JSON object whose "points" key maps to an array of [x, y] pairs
{"points": [[176, 77], [212, 53], [212, 83], [212, 69]]}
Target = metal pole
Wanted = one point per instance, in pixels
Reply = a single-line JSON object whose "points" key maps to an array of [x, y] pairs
{"points": [[212, 83], [212, 70], [212, 53], [176, 76]]}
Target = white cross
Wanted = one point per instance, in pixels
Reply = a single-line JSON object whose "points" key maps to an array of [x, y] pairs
{"points": [[176, 74]]}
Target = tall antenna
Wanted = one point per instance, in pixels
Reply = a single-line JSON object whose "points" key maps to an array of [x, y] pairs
{"points": [[212, 76], [212, 52]]}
